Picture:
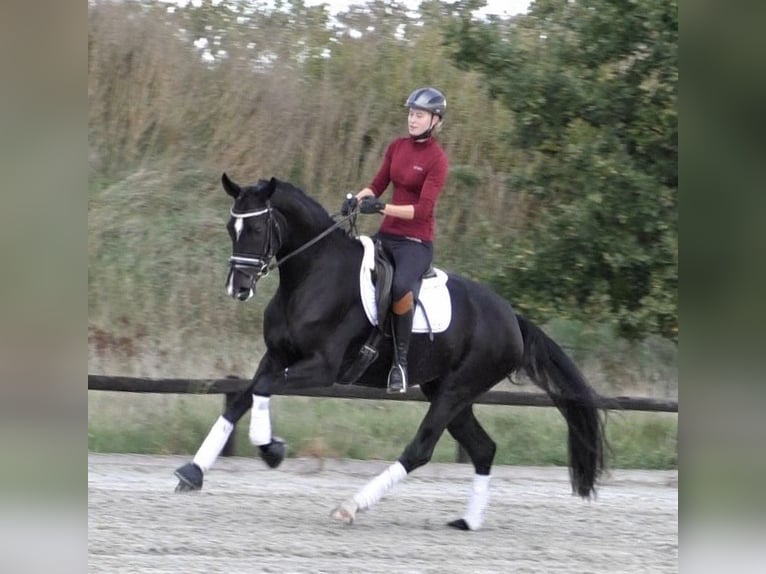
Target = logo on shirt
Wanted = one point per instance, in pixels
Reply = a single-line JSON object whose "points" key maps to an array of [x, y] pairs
{"points": [[418, 167]]}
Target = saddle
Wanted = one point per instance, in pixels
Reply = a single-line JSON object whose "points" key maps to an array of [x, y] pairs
{"points": [[380, 269], [382, 278]]}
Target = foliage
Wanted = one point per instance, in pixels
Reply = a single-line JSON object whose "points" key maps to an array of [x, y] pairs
{"points": [[536, 190], [166, 118], [592, 86]]}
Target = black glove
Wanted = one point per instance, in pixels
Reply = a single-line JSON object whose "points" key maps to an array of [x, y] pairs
{"points": [[349, 205], [371, 204]]}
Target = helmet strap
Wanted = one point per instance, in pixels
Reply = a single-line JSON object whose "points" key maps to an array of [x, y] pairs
{"points": [[427, 134], [424, 136]]}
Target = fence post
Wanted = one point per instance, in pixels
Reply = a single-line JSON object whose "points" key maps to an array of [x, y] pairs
{"points": [[228, 448]]}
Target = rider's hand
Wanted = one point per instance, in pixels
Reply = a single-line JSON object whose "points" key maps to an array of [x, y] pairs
{"points": [[371, 204], [349, 205]]}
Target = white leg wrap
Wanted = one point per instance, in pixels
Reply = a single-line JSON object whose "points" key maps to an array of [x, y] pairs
{"points": [[374, 490], [213, 444], [477, 501], [260, 421]]}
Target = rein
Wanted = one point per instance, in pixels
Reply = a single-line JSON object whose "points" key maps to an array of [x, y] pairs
{"points": [[311, 242]]}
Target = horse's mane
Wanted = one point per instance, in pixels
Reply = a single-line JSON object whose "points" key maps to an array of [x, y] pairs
{"points": [[293, 199]]}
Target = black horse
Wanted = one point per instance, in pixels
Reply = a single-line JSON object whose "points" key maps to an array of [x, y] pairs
{"points": [[315, 326]]}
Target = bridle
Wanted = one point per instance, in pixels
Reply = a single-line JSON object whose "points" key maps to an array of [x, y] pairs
{"points": [[257, 266]]}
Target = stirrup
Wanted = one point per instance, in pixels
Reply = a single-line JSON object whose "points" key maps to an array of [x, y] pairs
{"points": [[399, 386]]}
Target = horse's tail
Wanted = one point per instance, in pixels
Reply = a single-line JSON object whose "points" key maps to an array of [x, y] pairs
{"points": [[553, 371]]}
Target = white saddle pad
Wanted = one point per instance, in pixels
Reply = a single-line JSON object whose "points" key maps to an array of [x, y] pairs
{"points": [[434, 295]]}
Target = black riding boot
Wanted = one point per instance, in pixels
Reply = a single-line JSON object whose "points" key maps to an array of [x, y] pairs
{"points": [[401, 330]]}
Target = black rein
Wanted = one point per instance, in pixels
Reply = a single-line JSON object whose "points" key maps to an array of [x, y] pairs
{"points": [[311, 242]]}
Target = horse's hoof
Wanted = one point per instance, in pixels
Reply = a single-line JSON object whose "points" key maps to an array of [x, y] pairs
{"points": [[189, 477], [183, 487], [345, 512], [273, 453], [460, 524]]}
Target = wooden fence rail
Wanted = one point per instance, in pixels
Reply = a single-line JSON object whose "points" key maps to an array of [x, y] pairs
{"points": [[231, 387]]}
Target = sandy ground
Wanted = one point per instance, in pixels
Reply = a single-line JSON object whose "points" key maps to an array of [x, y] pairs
{"points": [[252, 519]]}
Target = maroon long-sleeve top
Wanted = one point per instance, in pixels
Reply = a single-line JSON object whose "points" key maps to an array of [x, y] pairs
{"points": [[418, 171]]}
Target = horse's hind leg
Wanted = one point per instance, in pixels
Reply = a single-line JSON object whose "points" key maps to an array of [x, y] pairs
{"points": [[190, 475], [467, 431], [418, 452]]}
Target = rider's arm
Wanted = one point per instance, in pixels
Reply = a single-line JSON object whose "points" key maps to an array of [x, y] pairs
{"points": [[400, 211]]}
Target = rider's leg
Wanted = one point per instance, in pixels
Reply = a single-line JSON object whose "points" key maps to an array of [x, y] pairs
{"points": [[401, 323], [411, 260]]}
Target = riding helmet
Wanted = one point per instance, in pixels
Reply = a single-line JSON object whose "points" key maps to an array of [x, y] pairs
{"points": [[428, 99]]}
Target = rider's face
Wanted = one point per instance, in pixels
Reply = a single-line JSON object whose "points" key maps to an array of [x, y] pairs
{"points": [[419, 121]]}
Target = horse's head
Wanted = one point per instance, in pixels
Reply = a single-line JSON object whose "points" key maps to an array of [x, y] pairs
{"points": [[254, 235]]}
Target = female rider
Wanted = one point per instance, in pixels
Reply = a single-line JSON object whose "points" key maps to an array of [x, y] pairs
{"points": [[417, 166]]}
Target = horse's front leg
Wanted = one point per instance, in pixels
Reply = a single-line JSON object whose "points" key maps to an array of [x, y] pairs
{"points": [[313, 371], [190, 476]]}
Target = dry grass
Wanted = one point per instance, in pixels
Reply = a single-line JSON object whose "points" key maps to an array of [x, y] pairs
{"points": [[357, 429]]}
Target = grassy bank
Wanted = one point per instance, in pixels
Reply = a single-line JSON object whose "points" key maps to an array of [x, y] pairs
{"points": [[170, 424]]}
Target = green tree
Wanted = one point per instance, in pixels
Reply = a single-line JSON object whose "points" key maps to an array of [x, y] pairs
{"points": [[592, 86]]}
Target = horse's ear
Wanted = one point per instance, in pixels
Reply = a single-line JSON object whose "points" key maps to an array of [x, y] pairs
{"points": [[231, 188], [272, 186]]}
